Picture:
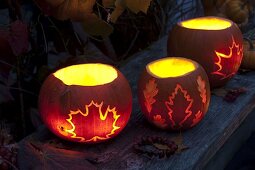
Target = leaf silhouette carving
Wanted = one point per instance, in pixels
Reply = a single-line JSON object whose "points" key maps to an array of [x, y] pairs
{"points": [[223, 59], [149, 93], [201, 88], [179, 106], [104, 124], [197, 118], [159, 121]]}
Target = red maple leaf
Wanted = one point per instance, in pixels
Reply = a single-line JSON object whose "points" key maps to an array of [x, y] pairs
{"points": [[95, 124], [223, 59], [179, 106]]}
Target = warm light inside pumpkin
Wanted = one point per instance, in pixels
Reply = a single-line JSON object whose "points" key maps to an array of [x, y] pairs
{"points": [[87, 74], [206, 23], [171, 67]]}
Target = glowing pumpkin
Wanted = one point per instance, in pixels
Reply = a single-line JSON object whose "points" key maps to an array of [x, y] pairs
{"points": [[86, 103], [174, 93], [215, 43]]}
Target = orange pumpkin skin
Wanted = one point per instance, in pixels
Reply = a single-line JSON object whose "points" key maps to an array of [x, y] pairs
{"points": [[174, 103], [220, 52], [86, 114]]}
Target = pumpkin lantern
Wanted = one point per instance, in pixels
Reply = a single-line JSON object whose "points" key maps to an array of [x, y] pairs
{"points": [[213, 42], [86, 103], [174, 93]]}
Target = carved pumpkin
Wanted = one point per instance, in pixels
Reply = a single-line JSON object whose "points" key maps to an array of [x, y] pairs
{"points": [[213, 42], [174, 93], [248, 61], [86, 103]]}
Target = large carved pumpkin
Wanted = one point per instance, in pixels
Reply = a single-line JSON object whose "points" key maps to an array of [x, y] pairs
{"points": [[86, 103], [174, 93], [215, 43]]}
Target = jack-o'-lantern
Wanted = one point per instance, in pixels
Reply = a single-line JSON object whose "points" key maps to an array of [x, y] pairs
{"points": [[86, 103], [213, 42], [174, 93]]}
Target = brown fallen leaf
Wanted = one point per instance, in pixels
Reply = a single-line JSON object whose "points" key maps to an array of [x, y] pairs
{"points": [[180, 143]]}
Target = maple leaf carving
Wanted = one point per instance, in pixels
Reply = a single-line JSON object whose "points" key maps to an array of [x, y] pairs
{"points": [[197, 118], [159, 121], [175, 110], [201, 88], [104, 123], [149, 93], [234, 50]]}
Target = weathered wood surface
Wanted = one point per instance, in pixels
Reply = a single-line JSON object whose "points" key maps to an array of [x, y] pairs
{"points": [[204, 140]]}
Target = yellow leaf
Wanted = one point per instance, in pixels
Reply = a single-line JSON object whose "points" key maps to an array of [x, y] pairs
{"points": [[108, 3], [119, 9], [138, 5], [95, 26]]}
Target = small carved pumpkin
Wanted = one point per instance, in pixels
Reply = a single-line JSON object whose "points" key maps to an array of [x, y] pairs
{"points": [[248, 61], [86, 103], [174, 93], [213, 42]]}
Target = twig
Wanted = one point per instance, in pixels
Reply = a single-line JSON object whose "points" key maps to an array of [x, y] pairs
{"points": [[21, 97], [9, 163]]}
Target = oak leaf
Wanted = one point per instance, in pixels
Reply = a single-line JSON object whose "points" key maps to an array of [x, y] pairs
{"points": [[201, 88], [149, 93]]}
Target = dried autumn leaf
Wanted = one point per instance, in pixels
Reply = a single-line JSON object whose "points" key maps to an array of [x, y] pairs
{"points": [[149, 93], [179, 142], [119, 9], [220, 92], [138, 5], [96, 26], [81, 7], [108, 3]]}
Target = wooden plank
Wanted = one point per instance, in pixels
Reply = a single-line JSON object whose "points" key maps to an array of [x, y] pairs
{"points": [[238, 138], [204, 140]]}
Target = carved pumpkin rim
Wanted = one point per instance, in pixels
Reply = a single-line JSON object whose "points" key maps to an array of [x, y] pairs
{"points": [[209, 23], [89, 74], [183, 73]]}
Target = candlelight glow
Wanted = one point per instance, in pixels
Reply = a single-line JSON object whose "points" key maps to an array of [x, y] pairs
{"points": [[87, 74], [206, 23], [171, 67]]}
